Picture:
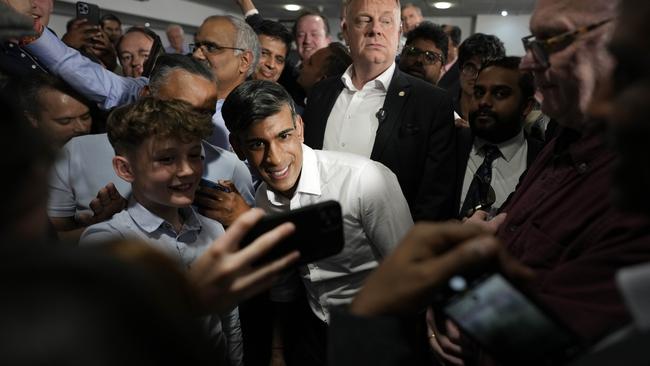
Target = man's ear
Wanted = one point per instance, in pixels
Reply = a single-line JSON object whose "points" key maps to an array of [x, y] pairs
{"points": [[236, 147], [123, 168], [300, 128], [145, 92], [245, 62]]}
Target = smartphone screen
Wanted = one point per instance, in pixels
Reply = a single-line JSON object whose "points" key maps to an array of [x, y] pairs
{"points": [[507, 323], [157, 49]]}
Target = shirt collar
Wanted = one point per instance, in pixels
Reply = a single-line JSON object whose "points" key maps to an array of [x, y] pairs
{"points": [[149, 222], [308, 183], [381, 82], [507, 148]]}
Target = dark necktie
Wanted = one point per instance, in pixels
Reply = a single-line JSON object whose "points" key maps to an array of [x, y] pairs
{"points": [[478, 194]]}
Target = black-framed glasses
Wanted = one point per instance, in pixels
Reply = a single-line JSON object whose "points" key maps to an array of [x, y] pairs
{"points": [[430, 57], [211, 47], [542, 49]]}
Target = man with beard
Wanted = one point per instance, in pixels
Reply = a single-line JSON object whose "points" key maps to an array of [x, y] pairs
{"points": [[493, 152], [425, 52]]}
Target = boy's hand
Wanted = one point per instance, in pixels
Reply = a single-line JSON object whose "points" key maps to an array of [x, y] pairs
{"points": [[107, 203], [223, 275], [216, 204]]}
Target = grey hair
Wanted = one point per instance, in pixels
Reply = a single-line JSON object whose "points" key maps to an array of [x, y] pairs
{"points": [[168, 63], [247, 39]]}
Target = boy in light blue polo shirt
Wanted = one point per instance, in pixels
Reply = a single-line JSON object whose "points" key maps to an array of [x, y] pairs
{"points": [[158, 151]]}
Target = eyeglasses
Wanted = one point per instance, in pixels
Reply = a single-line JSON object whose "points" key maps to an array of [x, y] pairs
{"points": [[542, 49], [430, 57], [211, 47]]}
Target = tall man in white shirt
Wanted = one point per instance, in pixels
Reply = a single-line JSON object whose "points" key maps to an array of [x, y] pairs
{"points": [[377, 111], [266, 130], [493, 152]]}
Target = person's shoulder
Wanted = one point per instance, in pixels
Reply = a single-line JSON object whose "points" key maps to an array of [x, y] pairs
{"points": [[89, 143], [342, 160], [114, 228], [423, 88]]}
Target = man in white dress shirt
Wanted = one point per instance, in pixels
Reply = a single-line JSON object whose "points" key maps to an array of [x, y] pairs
{"points": [[266, 130]]}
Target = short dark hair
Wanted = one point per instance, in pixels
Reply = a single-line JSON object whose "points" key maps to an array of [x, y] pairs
{"points": [[130, 125], [486, 46], [110, 17], [253, 101], [169, 62], [276, 30], [338, 61], [454, 33], [146, 31], [308, 13], [526, 80], [31, 87], [432, 32]]}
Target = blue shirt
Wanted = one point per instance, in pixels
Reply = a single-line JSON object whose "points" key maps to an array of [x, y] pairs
{"points": [[196, 235], [85, 166]]}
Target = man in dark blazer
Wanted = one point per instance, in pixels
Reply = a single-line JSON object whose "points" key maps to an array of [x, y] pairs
{"points": [[407, 123], [503, 97]]}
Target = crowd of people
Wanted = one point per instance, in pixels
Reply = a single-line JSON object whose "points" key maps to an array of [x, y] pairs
{"points": [[135, 172]]}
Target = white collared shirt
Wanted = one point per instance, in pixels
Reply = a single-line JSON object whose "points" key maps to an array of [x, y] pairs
{"points": [[352, 123], [375, 218], [506, 169]]}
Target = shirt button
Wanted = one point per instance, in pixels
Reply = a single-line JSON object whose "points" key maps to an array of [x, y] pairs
{"points": [[582, 168], [342, 144]]}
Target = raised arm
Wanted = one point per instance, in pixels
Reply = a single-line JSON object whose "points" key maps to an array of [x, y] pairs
{"points": [[90, 79]]}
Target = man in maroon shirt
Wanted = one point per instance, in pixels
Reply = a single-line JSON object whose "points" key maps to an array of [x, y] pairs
{"points": [[561, 221]]}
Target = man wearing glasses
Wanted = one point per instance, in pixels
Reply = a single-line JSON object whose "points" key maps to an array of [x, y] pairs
{"points": [[425, 52], [560, 220]]}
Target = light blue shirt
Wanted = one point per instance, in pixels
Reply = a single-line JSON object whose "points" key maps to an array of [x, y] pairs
{"points": [[85, 166], [196, 235], [88, 78], [99, 85], [220, 132]]}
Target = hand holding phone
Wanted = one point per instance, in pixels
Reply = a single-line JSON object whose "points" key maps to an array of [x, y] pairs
{"points": [[88, 11], [318, 234], [509, 323]]}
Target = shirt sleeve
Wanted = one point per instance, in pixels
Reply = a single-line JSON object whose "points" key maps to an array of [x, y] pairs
{"points": [[385, 214], [99, 234], [61, 201], [242, 179], [232, 329], [90, 79]]}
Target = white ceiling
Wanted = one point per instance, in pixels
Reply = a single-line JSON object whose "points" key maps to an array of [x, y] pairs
{"points": [[331, 8]]}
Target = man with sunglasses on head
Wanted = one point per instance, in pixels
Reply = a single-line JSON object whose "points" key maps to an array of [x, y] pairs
{"points": [[425, 52], [560, 220]]}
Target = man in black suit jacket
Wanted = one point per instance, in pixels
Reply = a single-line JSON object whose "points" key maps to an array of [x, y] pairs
{"points": [[410, 121], [503, 96]]}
